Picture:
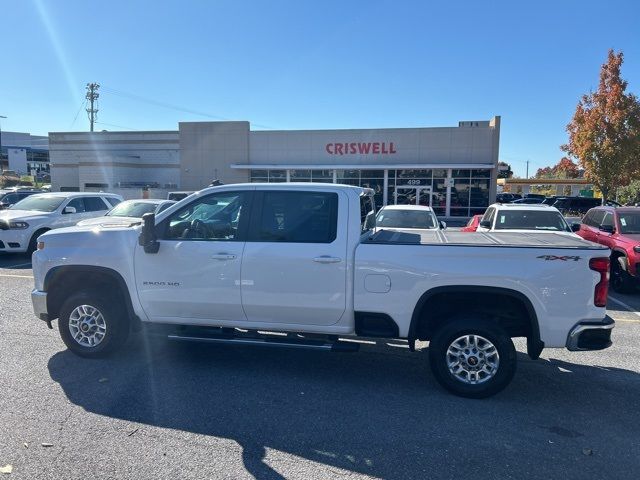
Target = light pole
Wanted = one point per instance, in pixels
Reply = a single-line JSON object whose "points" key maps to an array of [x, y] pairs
{"points": [[1, 116]]}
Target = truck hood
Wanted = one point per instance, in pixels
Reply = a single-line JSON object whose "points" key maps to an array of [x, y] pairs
{"points": [[110, 220], [98, 237]]}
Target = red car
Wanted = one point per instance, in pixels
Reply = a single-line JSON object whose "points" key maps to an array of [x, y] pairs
{"points": [[618, 229], [472, 224]]}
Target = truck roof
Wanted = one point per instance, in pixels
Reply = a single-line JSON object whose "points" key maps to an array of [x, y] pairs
{"points": [[287, 186]]}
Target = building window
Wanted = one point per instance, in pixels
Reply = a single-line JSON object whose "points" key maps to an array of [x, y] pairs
{"points": [[324, 176], [373, 179], [264, 176], [470, 192], [415, 186], [258, 176]]}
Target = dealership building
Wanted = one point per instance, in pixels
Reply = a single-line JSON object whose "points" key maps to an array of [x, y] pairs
{"points": [[453, 169]]}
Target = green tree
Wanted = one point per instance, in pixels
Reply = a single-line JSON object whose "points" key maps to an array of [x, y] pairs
{"points": [[629, 194], [604, 134], [504, 170]]}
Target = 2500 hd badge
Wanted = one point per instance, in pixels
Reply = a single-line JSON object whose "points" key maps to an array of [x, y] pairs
{"points": [[161, 284]]}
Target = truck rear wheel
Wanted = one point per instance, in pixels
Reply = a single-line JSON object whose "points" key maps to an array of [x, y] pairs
{"points": [[472, 358], [92, 324]]}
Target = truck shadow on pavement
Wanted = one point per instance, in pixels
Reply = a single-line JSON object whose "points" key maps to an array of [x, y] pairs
{"points": [[15, 261], [378, 412]]}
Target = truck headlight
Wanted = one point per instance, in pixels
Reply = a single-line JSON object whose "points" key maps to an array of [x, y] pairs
{"points": [[18, 225], [636, 249]]}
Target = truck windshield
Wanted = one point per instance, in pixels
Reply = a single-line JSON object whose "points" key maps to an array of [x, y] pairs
{"points": [[629, 222], [40, 203], [531, 220], [406, 219], [132, 209]]}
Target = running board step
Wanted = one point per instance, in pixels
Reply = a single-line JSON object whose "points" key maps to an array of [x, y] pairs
{"points": [[337, 346]]}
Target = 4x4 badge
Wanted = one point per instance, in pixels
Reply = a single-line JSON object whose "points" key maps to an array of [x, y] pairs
{"points": [[564, 258]]}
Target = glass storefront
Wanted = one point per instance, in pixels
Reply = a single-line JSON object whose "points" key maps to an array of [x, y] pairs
{"points": [[468, 189]]}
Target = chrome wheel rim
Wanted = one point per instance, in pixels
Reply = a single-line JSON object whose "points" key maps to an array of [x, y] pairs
{"points": [[472, 359], [87, 326]]}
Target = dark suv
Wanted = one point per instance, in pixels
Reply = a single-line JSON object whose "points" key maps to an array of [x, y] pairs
{"points": [[618, 229], [574, 206], [9, 197]]}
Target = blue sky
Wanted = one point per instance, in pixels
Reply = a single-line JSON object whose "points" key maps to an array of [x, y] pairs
{"points": [[314, 65]]}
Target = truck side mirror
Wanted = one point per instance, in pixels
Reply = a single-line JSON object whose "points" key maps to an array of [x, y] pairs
{"points": [[443, 225], [69, 210], [370, 220], [575, 227], [148, 239], [485, 224]]}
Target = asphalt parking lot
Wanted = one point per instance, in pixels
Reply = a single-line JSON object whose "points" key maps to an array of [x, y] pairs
{"points": [[160, 410]]}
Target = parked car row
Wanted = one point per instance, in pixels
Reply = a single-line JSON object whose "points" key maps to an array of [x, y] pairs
{"points": [[10, 196], [567, 205], [36, 213]]}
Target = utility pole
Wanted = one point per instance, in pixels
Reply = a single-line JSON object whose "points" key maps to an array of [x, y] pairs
{"points": [[527, 166], [1, 116], [92, 96]]}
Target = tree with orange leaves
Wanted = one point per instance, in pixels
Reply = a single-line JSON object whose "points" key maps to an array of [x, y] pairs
{"points": [[565, 168], [604, 134]]}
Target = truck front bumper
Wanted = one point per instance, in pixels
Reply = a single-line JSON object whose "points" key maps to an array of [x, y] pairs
{"points": [[590, 335], [39, 301]]}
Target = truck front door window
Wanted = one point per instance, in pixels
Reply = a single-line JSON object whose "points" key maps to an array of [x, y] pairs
{"points": [[215, 217]]}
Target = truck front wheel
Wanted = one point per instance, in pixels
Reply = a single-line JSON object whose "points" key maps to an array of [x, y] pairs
{"points": [[92, 324], [472, 358]]}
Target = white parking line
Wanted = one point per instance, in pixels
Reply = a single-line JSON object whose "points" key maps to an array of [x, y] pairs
{"points": [[624, 305], [15, 276]]}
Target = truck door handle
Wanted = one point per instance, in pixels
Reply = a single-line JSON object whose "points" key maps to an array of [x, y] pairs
{"points": [[223, 256], [327, 259]]}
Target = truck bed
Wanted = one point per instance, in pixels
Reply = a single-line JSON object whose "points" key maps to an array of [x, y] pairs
{"points": [[479, 239]]}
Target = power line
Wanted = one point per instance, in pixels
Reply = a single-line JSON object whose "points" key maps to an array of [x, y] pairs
{"points": [[84, 102], [117, 126], [170, 106]]}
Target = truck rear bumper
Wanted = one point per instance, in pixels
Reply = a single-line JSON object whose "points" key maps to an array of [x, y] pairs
{"points": [[39, 301], [590, 335]]}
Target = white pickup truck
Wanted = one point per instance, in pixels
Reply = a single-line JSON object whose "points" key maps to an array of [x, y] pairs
{"points": [[305, 261]]}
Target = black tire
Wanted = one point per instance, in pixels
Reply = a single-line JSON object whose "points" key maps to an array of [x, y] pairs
{"points": [[620, 280], [489, 385], [33, 243], [114, 320]]}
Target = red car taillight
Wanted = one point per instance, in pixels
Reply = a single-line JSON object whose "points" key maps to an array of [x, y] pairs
{"points": [[600, 265]]}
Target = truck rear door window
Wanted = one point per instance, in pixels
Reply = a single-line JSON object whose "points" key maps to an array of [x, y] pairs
{"points": [[296, 217]]}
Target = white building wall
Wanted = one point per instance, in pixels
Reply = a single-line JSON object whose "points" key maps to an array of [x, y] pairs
{"points": [[112, 157], [451, 145]]}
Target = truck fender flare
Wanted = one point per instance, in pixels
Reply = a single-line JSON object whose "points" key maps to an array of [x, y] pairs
{"points": [[534, 344], [93, 271]]}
